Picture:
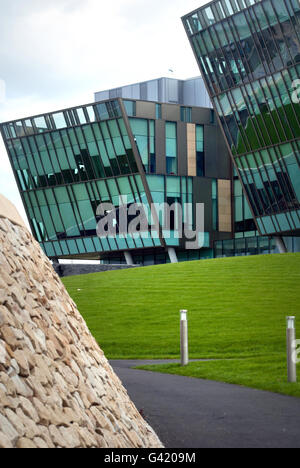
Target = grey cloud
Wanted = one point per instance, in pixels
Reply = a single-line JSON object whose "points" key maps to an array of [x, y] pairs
{"points": [[27, 72], [144, 12], [20, 7], [53, 60]]}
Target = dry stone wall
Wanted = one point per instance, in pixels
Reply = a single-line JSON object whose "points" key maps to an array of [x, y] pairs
{"points": [[57, 389]]}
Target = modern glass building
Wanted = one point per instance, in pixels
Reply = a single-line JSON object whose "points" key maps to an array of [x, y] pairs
{"points": [[248, 52], [68, 162], [154, 143]]}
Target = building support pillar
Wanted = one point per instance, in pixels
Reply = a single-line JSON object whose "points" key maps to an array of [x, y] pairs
{"points": [[172, 255], [281, 245], [128, 258]]}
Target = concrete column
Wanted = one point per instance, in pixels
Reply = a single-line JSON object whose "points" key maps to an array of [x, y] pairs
{"points": [[280, 245], [292, 369], [184, 346], [290, 344], [128, 258], [172, 255]]}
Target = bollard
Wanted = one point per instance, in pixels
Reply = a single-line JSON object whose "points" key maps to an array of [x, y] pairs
{"points": [[291, 339], [184, 338]]}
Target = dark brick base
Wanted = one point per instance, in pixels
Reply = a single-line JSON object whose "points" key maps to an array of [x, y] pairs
{"points": [[77, 269]]}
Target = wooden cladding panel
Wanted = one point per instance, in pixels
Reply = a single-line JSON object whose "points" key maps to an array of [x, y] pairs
{"points": [[191, 150], [225, 207]]}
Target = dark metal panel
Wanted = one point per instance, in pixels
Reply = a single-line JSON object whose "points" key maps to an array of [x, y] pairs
{"points": [[201, 115], [144, 91], [145, 110], [161, 93], [160, 146], [223, 159], [171, 112], [203, 194], [180, 92], [182, 149], [217, 158]]}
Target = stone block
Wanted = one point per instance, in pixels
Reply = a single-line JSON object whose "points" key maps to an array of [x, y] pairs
{"points": [[56, 387]]}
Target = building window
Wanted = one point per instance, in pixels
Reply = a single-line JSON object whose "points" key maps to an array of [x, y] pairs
{"points": [[158, 111], [130, 107], [152, 159], [200, 151], [243, 218], [171, 148], [215, 208], [144, 134], [186, 114], [139, 129], [108, 110]]}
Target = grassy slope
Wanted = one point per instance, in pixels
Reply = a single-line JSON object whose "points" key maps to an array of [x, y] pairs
{"points": [[237, 306], [237, 309]]}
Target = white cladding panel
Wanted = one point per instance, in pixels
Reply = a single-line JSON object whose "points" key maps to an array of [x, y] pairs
{"points": [[190, 92]]}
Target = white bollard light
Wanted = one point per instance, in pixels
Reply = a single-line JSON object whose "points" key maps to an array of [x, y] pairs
{"points": [[291, 340], [184, 351]]}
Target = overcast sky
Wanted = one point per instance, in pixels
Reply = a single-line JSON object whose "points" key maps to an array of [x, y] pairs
{"points": [[57, 54]]}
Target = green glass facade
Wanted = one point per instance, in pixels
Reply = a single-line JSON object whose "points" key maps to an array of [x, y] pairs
{"points": [[144, 133], [171, 147], [67, 163], [248, 52]]}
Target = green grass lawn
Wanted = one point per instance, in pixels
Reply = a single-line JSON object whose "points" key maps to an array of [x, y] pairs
{"points": [[237, 309]]}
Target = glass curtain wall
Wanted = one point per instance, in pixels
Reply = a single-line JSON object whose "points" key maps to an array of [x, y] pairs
{"points": [[144, 134], [69, 162], [249, 54], [176, 192]]}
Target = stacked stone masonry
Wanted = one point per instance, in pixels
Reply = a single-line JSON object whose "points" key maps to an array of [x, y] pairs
{"points": [[57, 389]]}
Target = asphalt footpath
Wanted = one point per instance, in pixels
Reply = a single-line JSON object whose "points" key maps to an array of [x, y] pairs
{"points": [[194, 413]]}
